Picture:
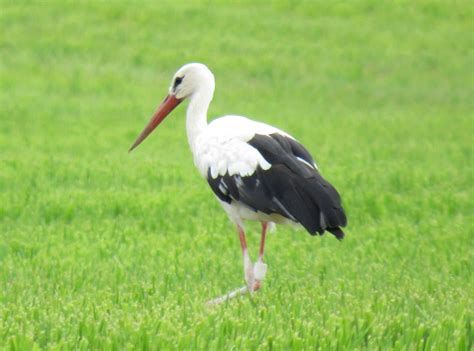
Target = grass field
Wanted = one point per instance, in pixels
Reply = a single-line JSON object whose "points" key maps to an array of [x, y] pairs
{"points": [[101, 249]]}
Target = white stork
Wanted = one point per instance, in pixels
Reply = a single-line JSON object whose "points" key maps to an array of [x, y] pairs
{"points": [[256, 171]]}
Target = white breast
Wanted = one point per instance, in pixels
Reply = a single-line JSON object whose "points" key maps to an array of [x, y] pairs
{"points": [[222, 148]]}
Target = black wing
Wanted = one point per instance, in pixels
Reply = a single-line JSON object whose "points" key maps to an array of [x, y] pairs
{"points": [[291, 187]]}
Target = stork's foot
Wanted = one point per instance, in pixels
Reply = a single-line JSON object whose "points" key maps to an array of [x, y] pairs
{"points": [[259, 272], [254, 275], [230, 295]]}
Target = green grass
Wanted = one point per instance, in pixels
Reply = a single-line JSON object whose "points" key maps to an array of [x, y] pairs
{"points": [[101, 249]]}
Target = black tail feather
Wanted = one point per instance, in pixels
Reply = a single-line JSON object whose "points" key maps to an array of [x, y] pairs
{"points": [[337, 232]]}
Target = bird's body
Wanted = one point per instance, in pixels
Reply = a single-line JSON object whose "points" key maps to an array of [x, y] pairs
{"points": [[256, 171], [250, 165]]}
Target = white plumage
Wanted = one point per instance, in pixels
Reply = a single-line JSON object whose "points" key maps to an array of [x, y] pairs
{"points": [[223, 147]]}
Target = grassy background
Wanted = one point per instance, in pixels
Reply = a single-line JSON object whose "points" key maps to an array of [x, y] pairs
{"points": [[104, 249]]}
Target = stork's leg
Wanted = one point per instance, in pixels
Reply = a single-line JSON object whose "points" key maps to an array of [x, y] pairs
{"points": [[254, 275], [248, 273], [248, 266], [260, 268]]}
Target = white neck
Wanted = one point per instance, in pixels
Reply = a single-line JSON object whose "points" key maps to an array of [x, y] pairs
{"points": [[196, 114]]}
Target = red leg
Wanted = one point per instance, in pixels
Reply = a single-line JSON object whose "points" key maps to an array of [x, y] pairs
{"points": [[262, 240], [260, 268], [248, 266], [252, 283], [243, 242]]}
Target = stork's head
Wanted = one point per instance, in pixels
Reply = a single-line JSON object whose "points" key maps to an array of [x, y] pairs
{"points": [[192, 78]]}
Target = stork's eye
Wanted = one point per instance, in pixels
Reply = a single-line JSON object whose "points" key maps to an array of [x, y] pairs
{"points": [[177, 81]]}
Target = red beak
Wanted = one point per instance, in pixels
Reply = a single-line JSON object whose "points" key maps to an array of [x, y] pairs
{"points": [[168, 105]]}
